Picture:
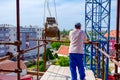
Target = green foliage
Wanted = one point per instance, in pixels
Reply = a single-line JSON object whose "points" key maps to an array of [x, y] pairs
{"points": [[34, 66], [66, 44], [48, 54], [65, 32], [54, 62], [40, 62], [55, 45], [56, 55], [29, 65], [63, 61], [41, 67]]}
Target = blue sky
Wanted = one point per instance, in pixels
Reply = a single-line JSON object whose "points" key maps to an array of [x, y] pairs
{"points": [[32, 12]]}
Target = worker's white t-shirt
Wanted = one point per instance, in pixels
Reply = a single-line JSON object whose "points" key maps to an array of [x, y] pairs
{"points": [[77, 37]]}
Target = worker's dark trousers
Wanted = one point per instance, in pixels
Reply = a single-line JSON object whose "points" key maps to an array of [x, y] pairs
{"points": [[76, 60]]}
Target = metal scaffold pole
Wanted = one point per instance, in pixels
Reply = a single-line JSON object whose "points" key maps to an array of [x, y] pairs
{"points": [[18, 38], [117, 39], [38, 57]]}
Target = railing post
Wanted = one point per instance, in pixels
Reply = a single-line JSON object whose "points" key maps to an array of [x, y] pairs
{"points": [[18, 39], [38, 57], [103, 63], [117, 38], [45, 47], [97, 67]]}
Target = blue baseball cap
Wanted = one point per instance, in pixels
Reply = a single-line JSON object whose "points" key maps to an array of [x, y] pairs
{"points": [[77, 25]]}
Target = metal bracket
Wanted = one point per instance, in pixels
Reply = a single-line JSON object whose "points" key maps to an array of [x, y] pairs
{"points": [[18, 43], [18, 70]]}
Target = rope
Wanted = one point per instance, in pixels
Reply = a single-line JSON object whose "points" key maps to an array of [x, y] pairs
{"points": [[46, 3], [55, 11], [44, 12], [48, 8]]}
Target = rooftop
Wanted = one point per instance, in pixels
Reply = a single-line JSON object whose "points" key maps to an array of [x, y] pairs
{"points": [[63, 50], [112, 33]]}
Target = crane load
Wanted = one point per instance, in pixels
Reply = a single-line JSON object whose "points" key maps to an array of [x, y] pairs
{"points": [[51, 27]]}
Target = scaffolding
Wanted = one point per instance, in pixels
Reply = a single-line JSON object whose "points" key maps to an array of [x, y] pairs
{"points": [[97, 24], [97, 12]]}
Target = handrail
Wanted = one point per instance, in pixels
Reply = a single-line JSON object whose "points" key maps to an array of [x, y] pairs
{"points": [[26, 50], [32, 39], [16, 53], [16, 43], [108, 56], [5, 58]]}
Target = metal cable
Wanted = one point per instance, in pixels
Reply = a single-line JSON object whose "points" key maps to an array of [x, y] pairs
{"points": [[48, 8], [55, 11], [47, 2], [44, 12]]}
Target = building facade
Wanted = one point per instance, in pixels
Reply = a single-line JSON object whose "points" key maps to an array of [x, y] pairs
{"points": [[4, 36], [112, 41], [8, 33]]}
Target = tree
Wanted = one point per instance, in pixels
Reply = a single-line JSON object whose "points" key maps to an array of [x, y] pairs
{"points": [[48, 54], [63, 61], [56, 45], [56, 55]]}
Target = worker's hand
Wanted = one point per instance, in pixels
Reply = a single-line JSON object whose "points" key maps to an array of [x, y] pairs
{"points": [[87, 41]]}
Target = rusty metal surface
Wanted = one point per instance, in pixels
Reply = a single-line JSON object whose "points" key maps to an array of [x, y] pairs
{"points": [[108, 56], [18, 36], [103, 68], [21, 52], [16, 43], [38, 57], [117, 39], [117, 64]]}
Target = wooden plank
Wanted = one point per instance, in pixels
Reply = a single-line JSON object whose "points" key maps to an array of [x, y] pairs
{"points": [[60, 75], [53, 73], [51, 68], [63, 73], [66, 71], [89, 75], [46, 75], [35, 73]]}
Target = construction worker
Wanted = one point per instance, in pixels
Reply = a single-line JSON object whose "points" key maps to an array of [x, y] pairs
{"points": [[77, 37]]}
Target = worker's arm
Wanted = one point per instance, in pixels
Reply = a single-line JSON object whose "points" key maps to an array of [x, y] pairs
{"points": [[86, 40]]}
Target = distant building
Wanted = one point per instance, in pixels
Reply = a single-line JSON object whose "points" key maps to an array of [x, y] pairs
{"points": [[112, 39], [12, 38], [4, 36], [8, 33]]}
